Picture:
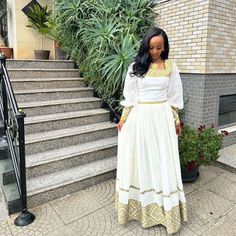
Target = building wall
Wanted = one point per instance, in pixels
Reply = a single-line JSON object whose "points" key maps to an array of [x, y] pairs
{"points": [[221, 37], [203, 43], [185, 22], [201, 33], [23, 39]]}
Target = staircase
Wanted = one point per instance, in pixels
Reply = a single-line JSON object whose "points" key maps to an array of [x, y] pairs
{"points": [[70, 142]]}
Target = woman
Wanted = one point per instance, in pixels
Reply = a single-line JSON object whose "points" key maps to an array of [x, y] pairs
{"points": [[148, 185]]}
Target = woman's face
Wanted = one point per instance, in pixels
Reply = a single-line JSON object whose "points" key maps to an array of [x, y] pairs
{"points": [[156, 46]]}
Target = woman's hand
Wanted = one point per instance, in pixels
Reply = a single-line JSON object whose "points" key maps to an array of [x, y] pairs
{"points": [[178, 129], [120, 124]]}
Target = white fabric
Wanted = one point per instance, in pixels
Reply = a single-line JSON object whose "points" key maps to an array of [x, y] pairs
{"points": [[148, 157], [153, 88]]}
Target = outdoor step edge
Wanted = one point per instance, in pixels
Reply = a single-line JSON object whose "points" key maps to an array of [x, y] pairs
{"points": [[60, 174], [49, 135], [58, 102], [99, 146], [64, 116], [19, 92]]}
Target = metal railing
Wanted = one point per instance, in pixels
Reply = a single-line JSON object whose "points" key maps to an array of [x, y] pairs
{"points": [[13, 120]]}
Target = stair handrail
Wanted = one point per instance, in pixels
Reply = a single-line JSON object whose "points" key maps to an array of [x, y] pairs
{"points": [[13, 119]]}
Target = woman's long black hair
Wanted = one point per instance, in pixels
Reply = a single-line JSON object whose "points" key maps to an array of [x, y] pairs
{"points": [[143, 59]]}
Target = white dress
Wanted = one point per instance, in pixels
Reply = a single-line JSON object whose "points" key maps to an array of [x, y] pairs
{"points": [[148, 184]]}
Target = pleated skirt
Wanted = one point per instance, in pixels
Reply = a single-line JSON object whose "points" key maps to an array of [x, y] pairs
{"points": [[149, 188]]}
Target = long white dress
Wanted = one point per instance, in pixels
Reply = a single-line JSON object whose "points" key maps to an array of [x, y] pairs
{"points": [[148, 184]]}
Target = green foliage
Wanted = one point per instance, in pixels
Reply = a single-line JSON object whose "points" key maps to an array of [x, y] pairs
{"points": [[38, 17], [103, 37], [199, 146]]}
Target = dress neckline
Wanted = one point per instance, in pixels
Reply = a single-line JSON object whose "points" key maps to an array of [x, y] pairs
{"points": [[154, 65]]}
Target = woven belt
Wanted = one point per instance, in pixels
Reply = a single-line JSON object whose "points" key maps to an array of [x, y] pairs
{"points": [[152, 102]]}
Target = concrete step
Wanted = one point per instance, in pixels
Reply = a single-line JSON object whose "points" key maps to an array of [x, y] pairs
{"points": [[41, 83], [58, 106], [7, 175], [52, 94], [64, 158], [41, 142], [60, 159], [44, 123], [227, 159], [43, 73], [61, 183], [30, 63]]}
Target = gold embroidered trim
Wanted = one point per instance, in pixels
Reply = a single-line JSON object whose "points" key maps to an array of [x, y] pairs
{"points": [[150, 190], [154, 71], [151, 215], [152, 102]]}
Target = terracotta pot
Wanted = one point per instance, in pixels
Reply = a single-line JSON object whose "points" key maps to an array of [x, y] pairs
{"points": [[190, 175], [8, 52], [42, 54]]}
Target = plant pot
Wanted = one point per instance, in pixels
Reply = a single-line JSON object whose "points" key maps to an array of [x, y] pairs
{"points": [[60, 55], [42, 54], [8, 52], [190, 175]]}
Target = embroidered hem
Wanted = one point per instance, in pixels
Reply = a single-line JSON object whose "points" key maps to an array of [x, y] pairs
{"points": [[151, 215]]}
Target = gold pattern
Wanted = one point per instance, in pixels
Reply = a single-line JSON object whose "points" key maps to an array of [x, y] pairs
{"points": [[151, 215], [152, 102], [125, 113], [154, 71], [150, 190]]}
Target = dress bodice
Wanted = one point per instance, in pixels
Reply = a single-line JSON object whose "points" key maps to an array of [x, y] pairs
{"points": [[153, 87], [156, 85]]}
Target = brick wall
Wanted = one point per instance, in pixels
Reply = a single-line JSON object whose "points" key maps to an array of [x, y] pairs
{"points": [[201, 34]]}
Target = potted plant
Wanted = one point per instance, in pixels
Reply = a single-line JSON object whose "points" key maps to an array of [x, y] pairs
{"points": [[8, 52], [196, 147], [4, 49], [38, 16]]}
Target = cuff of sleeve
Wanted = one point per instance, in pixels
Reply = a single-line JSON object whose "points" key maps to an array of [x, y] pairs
{"points": [[125, 113], [175, 115]]}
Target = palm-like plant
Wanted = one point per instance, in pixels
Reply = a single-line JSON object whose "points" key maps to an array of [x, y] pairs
{"points": [[38, 17], [103, 37]]}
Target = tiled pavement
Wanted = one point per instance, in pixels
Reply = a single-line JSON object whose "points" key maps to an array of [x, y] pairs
{"points": [[211, 208]]}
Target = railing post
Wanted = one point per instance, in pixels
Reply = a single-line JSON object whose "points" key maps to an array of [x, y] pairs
{"points": [[4, 95], [25, 217]]}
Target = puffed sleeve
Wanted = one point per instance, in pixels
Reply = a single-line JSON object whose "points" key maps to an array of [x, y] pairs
{"points": [[130, 88], [175, 89]]}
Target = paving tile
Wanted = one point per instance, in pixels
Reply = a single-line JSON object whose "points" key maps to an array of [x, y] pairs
{"points": [[198, 224], [46, 221], [225, 226], [230, 176], [104, 193], [207, 173], [64, 231], [75, 206], [209, 204], [222, 187], [190, 187], [3, 207], [214, 169], [4, 229], [101, 223]]}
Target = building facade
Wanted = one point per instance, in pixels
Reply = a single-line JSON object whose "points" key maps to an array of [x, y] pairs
{"points": [[203, 43]]}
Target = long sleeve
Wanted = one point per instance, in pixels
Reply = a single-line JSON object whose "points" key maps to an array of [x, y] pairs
{"points": [[130, 93], [175, 89], [175, 93], [130, 89]]}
